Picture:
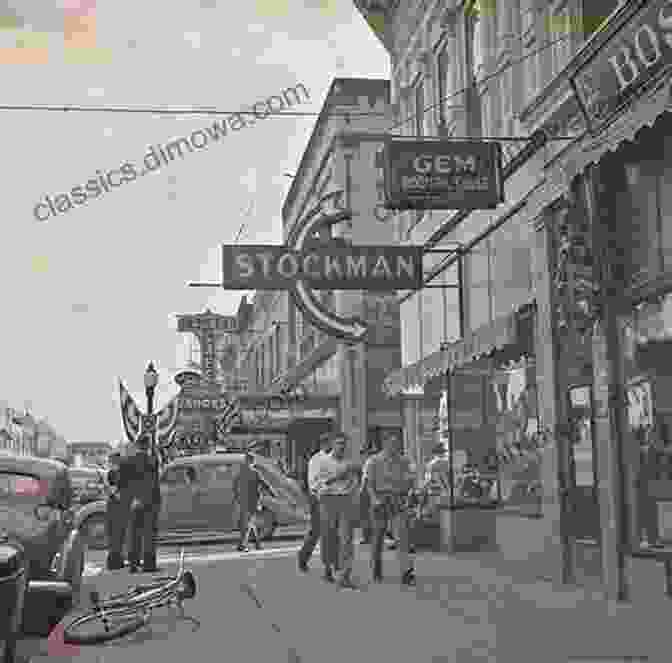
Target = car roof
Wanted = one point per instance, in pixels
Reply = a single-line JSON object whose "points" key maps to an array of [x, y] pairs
{"points": [[85, 470], [43, 467], [205, 459]]}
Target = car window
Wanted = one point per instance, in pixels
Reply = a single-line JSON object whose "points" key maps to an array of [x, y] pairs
{"points": [[22, 486], [179, 475], [213, 473]]}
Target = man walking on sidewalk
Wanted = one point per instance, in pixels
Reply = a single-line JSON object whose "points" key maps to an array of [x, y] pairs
{"points": [[315, 467], [389, 478], [338, 504], [246, 489]]}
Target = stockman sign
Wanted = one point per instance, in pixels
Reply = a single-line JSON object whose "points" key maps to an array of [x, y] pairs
{"points": [[442, 174], [634, 58], [325, 268], [301, 266]]}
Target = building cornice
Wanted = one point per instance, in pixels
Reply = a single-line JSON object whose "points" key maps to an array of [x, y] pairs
{"points": [[558, 87]]}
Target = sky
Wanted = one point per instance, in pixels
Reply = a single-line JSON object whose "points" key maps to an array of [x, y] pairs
{"points": [[90, 294]]}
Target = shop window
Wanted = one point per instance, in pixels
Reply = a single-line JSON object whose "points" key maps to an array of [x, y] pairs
{"points": [[474, 60], [478, 285], [666, 200], [451, 304], [511, 269], [643, 188], [442, 62], [530, 43], [520, 442], [410, 329], [432, 327]]}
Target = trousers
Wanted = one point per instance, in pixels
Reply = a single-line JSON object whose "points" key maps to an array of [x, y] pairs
{"points": [[386, 516], [313, 534], [118, 515], [336, 528], [244, 526], [144, 526]]}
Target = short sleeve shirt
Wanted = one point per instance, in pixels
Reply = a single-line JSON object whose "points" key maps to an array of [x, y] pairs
{"points": [[388, 474]]}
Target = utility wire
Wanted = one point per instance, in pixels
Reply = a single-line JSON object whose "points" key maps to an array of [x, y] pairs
{"points": [[212, 111], [485, 79]]}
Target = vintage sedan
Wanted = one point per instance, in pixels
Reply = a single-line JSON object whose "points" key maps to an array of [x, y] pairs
{"points": [[36, 512], [197, 498], [88, 484]]}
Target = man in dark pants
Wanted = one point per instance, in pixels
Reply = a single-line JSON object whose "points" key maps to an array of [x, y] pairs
{"points": [[144, 508], [118, 510], [246, 490], [389, 478], [313, 533], [365, 503]]}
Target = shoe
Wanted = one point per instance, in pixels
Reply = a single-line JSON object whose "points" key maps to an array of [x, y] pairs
{"points": [[377, 577], [257, 546], [408, 578], [346, 583], [133, 568], [328, 575], [150, 568], [241, 548]]}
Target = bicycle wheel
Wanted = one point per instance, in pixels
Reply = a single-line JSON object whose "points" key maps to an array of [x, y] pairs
{"points": [[91, 629]]}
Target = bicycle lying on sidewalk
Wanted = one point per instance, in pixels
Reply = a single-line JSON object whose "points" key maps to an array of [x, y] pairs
{"points": [[121, 614]]}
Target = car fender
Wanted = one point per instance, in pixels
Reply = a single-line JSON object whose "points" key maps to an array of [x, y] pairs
{"points": [[87, 510]]}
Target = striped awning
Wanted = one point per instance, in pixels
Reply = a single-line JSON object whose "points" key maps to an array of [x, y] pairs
{"points": [[480, 343], [589, 149]]}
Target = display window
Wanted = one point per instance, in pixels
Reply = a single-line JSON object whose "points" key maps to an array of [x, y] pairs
{"points": [[647, 352]]}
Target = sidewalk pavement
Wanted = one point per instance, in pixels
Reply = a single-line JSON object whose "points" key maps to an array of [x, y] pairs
{"points": [[465, 609]]}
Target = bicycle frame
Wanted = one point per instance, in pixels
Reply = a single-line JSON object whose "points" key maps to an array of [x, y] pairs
{"points": [[166, 593]]}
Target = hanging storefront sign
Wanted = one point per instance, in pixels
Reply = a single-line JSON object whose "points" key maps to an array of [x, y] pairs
{"points": [[207, 321], [325, 268], [301, 266], [215, 404], [633, 59], [443, 174], [208, 327]]}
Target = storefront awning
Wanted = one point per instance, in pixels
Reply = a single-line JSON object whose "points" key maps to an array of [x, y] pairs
{"points": [[482, 342], [590, 149]]}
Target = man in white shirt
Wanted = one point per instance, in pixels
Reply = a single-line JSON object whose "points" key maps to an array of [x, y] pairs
{"points": [[315, 468], [337, 491]]}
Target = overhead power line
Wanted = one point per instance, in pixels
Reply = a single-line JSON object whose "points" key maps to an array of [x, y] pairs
{"points": [[214, 111]]}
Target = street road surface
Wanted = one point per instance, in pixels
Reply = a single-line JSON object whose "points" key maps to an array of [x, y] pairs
{"points": [[257, 608]]}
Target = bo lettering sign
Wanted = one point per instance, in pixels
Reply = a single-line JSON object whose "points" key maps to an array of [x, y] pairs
{"points": [[634, 58]]}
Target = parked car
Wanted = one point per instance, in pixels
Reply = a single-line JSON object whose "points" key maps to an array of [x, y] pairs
{"points": [[197, 497], [36, 512], [88, 484]]}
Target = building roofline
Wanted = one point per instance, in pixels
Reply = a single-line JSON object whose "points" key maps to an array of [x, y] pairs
{"points": [[323, 116]]}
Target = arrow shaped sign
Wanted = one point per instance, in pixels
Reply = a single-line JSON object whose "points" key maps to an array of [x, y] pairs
{"points": [[348, 329]]}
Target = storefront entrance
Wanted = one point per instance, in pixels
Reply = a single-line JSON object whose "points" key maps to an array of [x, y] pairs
{"points": [[582, 499]]}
